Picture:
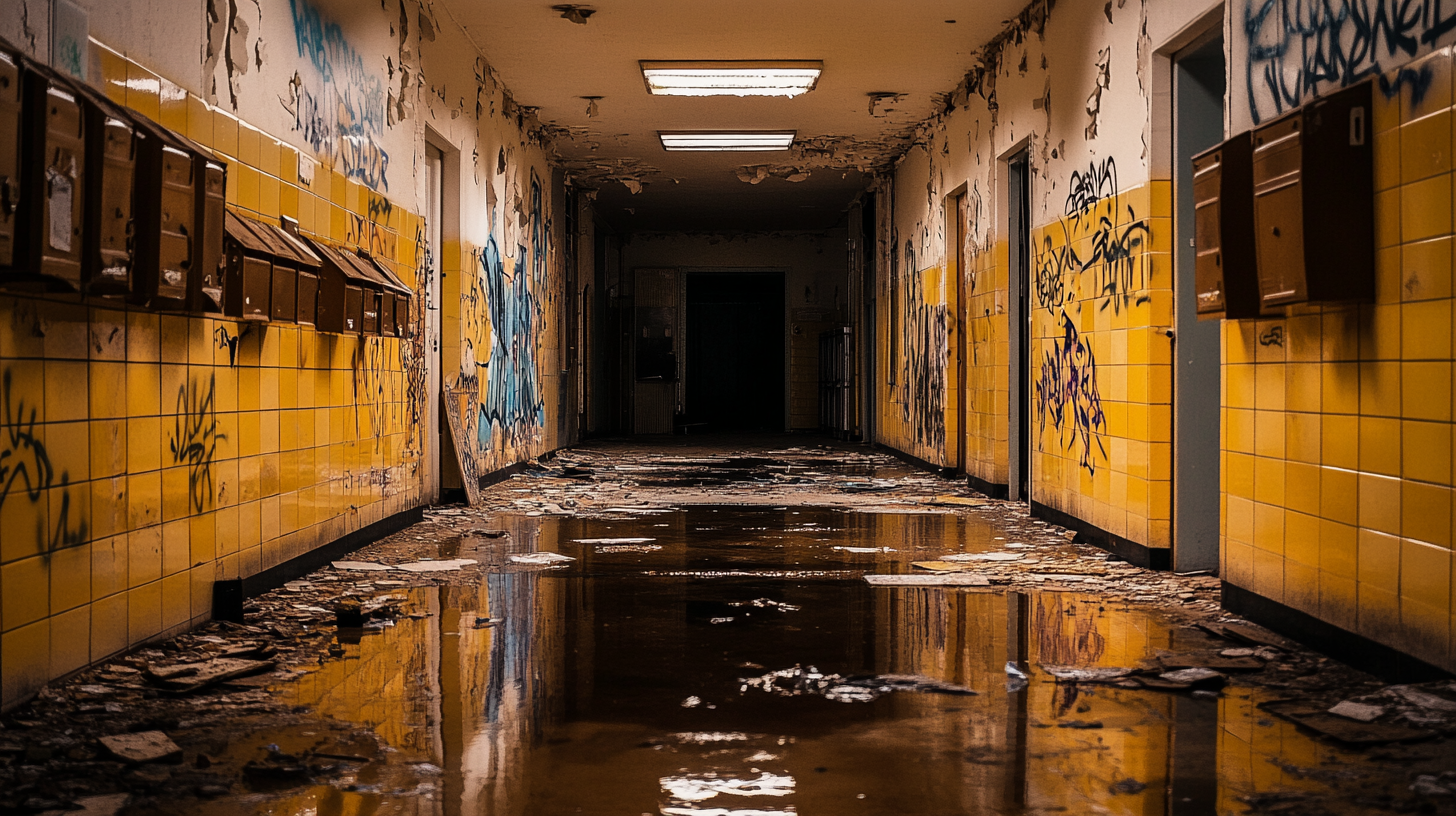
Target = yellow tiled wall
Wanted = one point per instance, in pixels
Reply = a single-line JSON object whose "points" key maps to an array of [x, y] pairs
{"points": [[1101, 364], [148, 455], [144, 456], [1337, 419], [988, 374]]}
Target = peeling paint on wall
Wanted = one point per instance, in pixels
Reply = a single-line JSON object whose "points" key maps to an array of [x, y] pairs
{"points": [[338, 104]]}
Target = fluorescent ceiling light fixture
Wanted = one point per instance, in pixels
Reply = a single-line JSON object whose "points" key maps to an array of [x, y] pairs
{"points": [[731, 77], [736, 141]]}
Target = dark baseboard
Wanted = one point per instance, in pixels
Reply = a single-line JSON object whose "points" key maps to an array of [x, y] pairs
{"points": [[228, 596], [940, 470], [990, 490], [1354, 650], [1156, 558], [498, 476]]}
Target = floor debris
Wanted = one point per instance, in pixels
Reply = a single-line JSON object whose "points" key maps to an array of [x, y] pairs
{"points": [[143, 746], [542, 559], [680, 570], [964, 579]]}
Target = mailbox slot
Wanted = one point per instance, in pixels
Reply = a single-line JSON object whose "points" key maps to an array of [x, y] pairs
{"points": [[50, 218], [1225, 267], [1314, 201], [112, 141], [247, 270], [12, 125]]}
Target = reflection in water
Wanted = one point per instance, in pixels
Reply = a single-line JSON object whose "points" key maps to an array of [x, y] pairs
{"points": [[613, 686]]}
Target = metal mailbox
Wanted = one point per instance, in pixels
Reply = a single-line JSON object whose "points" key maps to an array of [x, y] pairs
{"points": [[1225, 268], [295, 278], [112, 143], [180, 197], [342, 281], [393, 300], [206, 292], [12, 125], [167, 189], [309, 265], [247, 271], [1313, 189], [50, 217]]}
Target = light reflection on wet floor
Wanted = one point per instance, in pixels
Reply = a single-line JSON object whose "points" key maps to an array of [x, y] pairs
{"points": [[573, 702]]}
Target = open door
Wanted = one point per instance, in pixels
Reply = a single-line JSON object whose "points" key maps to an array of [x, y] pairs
{"points": [[956, 290], [1198, 93], [1018, 198]]}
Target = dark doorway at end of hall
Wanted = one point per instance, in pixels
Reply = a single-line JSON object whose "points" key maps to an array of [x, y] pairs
{"points": [[735, 365]]}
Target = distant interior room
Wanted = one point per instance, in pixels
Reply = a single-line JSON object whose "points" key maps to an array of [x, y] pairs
{"points": [[735, 367]]}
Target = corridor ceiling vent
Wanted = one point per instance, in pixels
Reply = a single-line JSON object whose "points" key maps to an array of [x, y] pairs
{"points": [[734, 141], [731, 77], [576, 14]]}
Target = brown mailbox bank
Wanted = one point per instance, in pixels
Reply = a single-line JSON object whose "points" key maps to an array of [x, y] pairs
{"points": [[1225, 269], [1314, 201], [393, 301], [343, 282]]}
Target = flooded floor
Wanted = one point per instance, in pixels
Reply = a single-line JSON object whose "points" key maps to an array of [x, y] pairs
{"points": [[635, 680]]}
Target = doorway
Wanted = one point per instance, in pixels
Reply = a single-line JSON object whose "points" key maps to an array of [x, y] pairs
{"points": [[1018, 198], [1198, 124], [439, 479], [735, 366], [955, 255], [868, 329]]}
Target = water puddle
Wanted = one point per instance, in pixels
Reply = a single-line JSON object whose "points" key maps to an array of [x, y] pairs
{"points": [[661, 672]]}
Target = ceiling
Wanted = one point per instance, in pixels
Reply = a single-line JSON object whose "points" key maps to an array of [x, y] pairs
{"points": [[867, 46]]}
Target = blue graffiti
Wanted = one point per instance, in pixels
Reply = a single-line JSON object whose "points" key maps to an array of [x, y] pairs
{"points": [[341, 111], [1067, 396], [512, 402], [1297, 48]]}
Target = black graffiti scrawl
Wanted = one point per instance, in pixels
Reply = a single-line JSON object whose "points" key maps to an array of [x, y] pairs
{"points": [[923, 349], [1298, 49], [27, 474], [1092, 211], [1067, 398], [194, 439]]}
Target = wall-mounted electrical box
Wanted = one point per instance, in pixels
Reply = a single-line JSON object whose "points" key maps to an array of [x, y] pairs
{"points": [[247, 270], [50, 217], [112, 142], [1313, 178], [12, 124], [1225, 268]]}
